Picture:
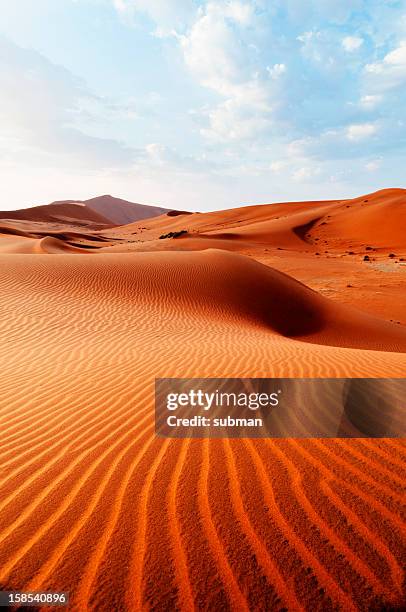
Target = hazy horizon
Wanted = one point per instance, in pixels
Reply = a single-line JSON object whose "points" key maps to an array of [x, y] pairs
{"points": [[154, 204], [201, 105]]}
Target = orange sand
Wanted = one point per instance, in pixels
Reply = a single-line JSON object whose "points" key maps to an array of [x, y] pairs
{"points": [[91, 502]]}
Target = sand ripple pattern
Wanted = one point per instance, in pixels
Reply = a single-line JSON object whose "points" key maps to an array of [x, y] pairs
{"points": [[91, 502]]}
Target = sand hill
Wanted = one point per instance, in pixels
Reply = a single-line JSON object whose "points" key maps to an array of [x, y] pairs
{"points": [[70, 213], [120, 211], [93, 503], [100, 211]]}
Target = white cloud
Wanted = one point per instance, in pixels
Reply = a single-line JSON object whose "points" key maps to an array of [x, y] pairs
{"points": [[370, 101], [373, 165], [319, 47], [276, 70], [240, 12], [157, 156], [311, 45], [360, 131], [277, 166], [213, 50], [390, 72], [346, 143], [222, 59], [49, 113], [156, 152], [352, 43], [397, 57], [306, 173], [217, 42], [236, 119]]}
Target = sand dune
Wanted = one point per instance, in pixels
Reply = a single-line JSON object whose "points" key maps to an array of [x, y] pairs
{"points": [[93, 503], [100, 211], [317, 243], [36, 246], [71, 213], [375, 220], [120, 211]]}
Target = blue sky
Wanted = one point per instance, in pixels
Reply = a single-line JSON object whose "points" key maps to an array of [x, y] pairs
{"points": [[201, 105]]}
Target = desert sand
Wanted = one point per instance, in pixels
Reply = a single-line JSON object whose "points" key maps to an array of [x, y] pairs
{"points": [[93, 503]]}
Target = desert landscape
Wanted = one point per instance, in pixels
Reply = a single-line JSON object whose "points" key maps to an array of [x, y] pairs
{"points": [[102, 296]]}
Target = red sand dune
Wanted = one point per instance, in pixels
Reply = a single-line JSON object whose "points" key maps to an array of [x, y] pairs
{"points": [[100, 211], [375, 220], [74, 213], [93, 503], [120, 211], [378, 219]]}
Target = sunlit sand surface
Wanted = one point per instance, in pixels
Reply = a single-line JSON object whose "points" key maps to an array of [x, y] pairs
{"points": [[93, 503]]}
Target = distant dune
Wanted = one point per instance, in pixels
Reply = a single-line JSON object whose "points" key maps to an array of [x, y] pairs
{"points": [[120, 211], [375, 220], [93, 503], [100, 211], [70, 213]]}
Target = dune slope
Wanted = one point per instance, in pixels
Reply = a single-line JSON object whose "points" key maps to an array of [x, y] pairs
{"points": [[73, 213], [99, 211], [120, 211], [91, 502], [375, 220]]}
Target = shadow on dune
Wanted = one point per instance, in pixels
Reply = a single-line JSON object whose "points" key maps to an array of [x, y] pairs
{"points": [[302, 230], [12, 231], [372, 407], [65, 236]]}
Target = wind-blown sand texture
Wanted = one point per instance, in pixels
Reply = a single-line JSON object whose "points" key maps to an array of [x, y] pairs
{"points": [[93, 503]]}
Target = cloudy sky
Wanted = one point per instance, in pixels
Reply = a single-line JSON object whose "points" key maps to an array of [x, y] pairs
{"points": [[201, 104]]}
